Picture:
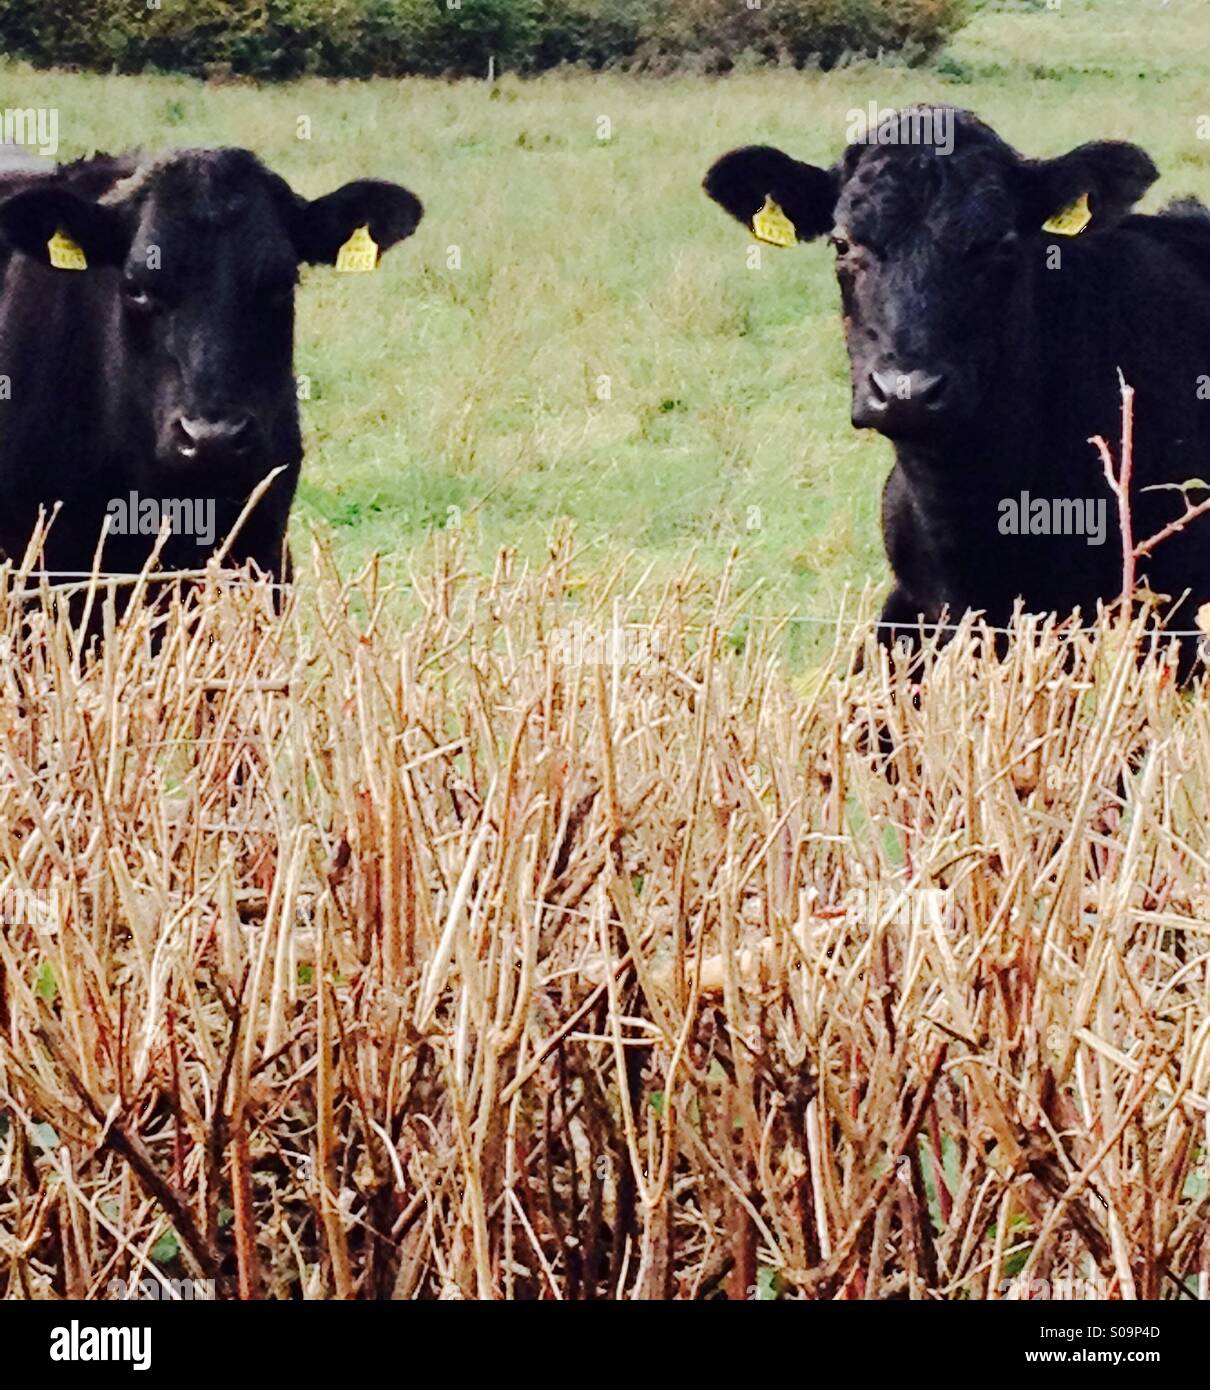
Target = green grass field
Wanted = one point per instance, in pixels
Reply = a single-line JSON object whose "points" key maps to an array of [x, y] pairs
{"points": [[472, 396]]}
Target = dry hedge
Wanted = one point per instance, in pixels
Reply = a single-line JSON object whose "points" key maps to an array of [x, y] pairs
{"points": [[544, 946]]}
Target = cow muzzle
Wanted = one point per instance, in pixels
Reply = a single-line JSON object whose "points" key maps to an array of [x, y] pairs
{"points": [[898, 402], [207, 440]]}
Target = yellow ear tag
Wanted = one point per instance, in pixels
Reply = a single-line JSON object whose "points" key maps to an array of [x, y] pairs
{"points": [[359, 254], [64, 253], [1072, 220], [772, 225]]}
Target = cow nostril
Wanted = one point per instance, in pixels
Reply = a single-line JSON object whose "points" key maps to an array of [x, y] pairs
{"points": [[239, 432], [232, 434], [929, 390], [882, 387], [905, 389]]}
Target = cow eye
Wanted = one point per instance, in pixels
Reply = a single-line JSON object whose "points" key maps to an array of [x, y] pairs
{"points": [[140, 300], [990, 245]]}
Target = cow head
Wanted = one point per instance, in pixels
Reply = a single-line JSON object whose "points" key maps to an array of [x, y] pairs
{"points": [[208, 245], [929, 234]]}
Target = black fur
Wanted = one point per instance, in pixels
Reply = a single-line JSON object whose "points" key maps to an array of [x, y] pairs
{"points": [[186, 312], [947, 278]]}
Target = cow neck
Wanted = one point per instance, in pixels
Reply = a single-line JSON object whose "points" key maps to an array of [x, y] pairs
{"points": [[55, 326], [997, 451], [948, 478]]}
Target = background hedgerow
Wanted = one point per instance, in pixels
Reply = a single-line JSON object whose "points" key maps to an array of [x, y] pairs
{"points": [[543, 946], [273, 39], [601, 349]]}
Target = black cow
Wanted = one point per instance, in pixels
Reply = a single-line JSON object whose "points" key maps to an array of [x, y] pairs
{"points": [[165, 368], [988, 350]]}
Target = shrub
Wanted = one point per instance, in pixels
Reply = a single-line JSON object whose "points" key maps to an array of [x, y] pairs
{"points": [[594, 32], [608, 881], [272, 39], [798, 31]]}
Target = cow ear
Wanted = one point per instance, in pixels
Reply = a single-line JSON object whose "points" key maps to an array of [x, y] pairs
{"points": [[1113, 174], [31, 219], [388, 210], [743, 180]]}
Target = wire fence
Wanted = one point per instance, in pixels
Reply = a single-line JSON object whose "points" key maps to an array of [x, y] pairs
{"points": [[67, 579]]}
